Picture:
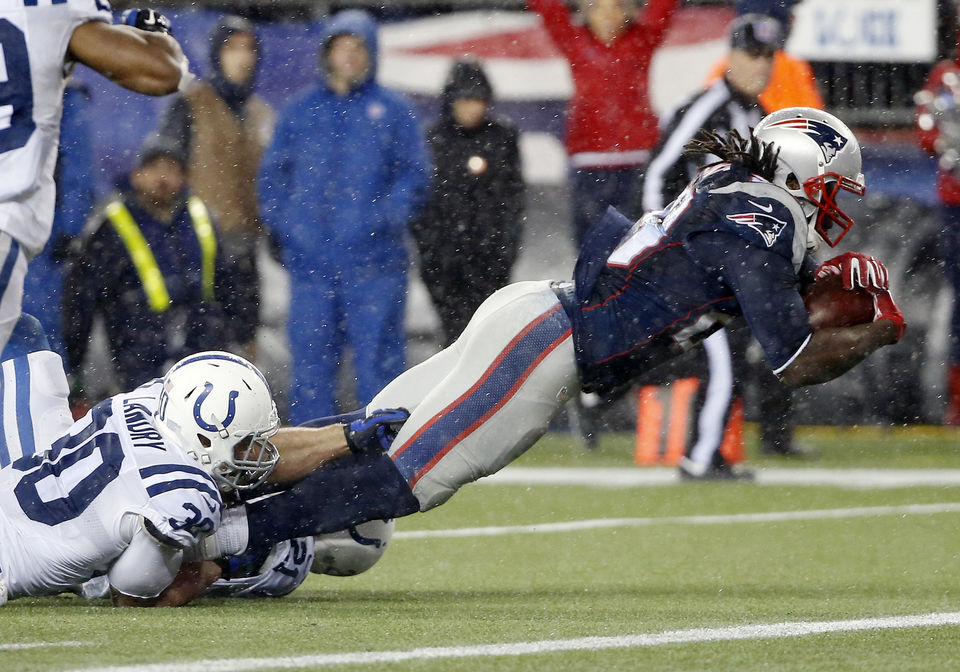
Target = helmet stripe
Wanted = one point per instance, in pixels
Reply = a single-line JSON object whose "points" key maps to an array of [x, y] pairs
{"points": [[226, 356]]}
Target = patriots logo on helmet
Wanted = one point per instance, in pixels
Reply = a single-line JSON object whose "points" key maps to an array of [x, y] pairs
{"points": [[825, 135], [768, 226]]}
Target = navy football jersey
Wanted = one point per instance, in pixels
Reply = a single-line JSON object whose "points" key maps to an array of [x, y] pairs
{"points": [[732, 244]]}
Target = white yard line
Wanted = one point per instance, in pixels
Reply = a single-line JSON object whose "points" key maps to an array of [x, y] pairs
{"points": [[694, 636], [720, 519], [39, 645], [624, 477]]}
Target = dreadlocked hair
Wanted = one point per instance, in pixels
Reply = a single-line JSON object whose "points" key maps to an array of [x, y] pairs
{"points": [[754, 155]]}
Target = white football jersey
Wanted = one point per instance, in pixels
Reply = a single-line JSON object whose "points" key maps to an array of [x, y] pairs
{"points": [[63, 514], [34, 36]]}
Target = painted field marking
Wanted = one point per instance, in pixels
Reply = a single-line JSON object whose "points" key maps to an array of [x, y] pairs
{"points": [[693, 636], [719, 519], [20, 646], [626, 477]]}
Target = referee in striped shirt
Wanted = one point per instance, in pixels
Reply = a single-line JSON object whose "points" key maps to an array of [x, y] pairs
{"points": [[730, 103]]}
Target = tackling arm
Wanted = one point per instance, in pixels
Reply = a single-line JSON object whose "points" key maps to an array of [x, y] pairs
{"points": [[143, 571], [146, 62], [304, 449]]}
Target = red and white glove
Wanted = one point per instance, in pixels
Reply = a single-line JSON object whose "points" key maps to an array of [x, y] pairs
{"points": [[861, 271], [856, 270]]}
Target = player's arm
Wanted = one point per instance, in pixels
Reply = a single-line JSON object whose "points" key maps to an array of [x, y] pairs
{"points": [[146, 62], [302, 450], [143, 571], [833, 352], [765, 285]]}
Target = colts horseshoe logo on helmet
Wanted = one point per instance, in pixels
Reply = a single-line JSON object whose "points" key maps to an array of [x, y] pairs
{"points": [[231, 410]]}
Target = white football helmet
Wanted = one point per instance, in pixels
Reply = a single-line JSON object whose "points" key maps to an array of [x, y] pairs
{"points": [[218, 408], [819, 157], [353, 550]]}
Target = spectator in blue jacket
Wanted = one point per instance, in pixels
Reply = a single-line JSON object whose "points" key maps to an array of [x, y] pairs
{"points": [[345, 173]]}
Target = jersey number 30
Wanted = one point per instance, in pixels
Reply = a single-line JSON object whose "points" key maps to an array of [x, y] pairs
{"points": [[16, 89], [87, 462]]}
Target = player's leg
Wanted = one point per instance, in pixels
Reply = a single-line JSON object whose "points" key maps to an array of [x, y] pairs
{"points": [[346, 492], [349, 491], [13, 269], [34, 405], [315, 349], [515, 368], [374, 313], [500, 384], [712, 408]]}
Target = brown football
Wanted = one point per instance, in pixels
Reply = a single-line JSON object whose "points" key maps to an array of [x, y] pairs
{"points": [[830, 305]]}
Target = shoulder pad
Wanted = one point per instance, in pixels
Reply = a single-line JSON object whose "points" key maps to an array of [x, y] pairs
{"points": [[764, 214]]}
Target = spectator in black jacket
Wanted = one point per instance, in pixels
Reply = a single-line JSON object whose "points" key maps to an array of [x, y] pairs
{"points": [[150, 266], [468, 234]]}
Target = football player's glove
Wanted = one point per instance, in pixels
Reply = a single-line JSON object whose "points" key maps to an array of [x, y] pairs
{"points": [[376, 432], [149, 20], [885, 308], [856, 270]]}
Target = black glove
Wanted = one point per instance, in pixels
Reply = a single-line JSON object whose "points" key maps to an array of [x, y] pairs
{"points": [[376, 432], [149, 20]]}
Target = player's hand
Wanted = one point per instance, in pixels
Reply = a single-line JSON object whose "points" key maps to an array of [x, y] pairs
{"points": [[856, 270], [149, 20], [376, 432], [885, 308]]}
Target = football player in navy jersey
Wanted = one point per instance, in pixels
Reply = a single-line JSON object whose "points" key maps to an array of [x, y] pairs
{"points": [[736, 244]]}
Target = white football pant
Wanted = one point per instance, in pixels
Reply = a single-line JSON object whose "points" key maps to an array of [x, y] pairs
{"points": [[481, 403]]}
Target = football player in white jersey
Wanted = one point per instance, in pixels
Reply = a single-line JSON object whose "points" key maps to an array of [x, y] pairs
{"points": [[40, 41], [132, 489]]}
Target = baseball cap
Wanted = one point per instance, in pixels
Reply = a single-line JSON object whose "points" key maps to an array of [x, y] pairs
{"points": [[778, 9], [756, 33]]}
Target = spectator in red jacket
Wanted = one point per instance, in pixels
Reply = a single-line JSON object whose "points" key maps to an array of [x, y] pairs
{"points": [[611, 127], [938, 130]]}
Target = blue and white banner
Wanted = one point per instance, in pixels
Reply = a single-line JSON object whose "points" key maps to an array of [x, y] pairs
{"points": [[889, 31]]}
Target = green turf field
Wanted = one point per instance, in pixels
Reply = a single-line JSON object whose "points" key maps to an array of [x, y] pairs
{"points": [[659, 589]]}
